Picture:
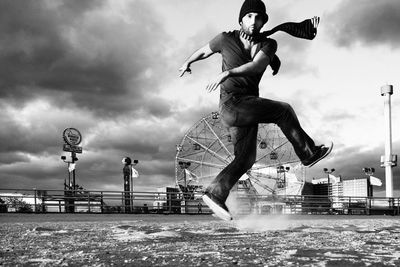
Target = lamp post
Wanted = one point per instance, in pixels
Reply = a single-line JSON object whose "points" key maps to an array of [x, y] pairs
{"points": [[184, 165], [369, 171], [128, 181], [186, 194], [327, 171], [284, 170]]}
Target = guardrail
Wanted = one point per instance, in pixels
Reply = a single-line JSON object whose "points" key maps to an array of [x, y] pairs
{"points": [[176, 202], [69, 201]]}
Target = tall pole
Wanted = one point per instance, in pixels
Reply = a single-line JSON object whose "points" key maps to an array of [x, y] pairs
{"points": [[69, 177], [184, 165], [388, 161], [184, 177], [127, 178], [74, 159], [73, 156], [128, 182], [328, 172]]}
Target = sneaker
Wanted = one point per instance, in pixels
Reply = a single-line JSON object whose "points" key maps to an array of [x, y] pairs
{"points": [[321, 153], [220, 209]]}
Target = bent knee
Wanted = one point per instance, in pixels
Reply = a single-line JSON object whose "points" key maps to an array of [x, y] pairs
{"points": [[287, 107], [245, 163]]}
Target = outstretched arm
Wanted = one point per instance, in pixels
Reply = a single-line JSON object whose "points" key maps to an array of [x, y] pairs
{"points": [[257, 66], [202, 53]]}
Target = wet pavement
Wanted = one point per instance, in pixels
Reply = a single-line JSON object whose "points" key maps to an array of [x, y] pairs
{"points": [[197, 240]]}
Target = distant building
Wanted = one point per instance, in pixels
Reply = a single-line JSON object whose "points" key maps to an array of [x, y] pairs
{"points": [[357, 188], [336, 187], [337, 194]]}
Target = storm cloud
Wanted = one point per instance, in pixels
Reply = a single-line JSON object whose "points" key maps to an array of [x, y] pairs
{"points": [[366, 22], [82, 54]]}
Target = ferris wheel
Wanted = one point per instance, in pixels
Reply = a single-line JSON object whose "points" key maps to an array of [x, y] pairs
{"points": [[206, 149]]}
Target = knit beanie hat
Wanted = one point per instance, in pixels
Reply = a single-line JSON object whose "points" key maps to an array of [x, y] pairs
{"points": [[256, 6]]}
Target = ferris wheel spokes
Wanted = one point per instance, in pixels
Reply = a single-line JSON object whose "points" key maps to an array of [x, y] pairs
{"points": [[219, 140], [209, 150], [202, 163], [259, 183], [256, 175]]}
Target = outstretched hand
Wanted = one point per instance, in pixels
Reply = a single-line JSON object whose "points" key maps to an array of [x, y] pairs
{"points": [[185, 68], [315, 21], [213, 84]]}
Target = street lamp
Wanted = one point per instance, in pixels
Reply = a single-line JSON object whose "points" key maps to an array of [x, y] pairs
{"points": [[128, 180], [284, 170], [184, 165], [369, 171], [327, 171]]}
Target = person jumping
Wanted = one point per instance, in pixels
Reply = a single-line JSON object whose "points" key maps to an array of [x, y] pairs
{"points": [[246, 53]]}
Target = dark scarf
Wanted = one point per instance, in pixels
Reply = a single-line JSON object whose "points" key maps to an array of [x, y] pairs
{"points": [[304, 29]]}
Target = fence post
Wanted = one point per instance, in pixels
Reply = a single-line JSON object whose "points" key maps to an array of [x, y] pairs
{"points": [[349, 211], [101, 202], [123, 202], [34, 195], [89, 202], [169, 203]]}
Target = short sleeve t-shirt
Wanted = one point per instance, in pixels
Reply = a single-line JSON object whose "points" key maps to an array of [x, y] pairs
{"points": [[228, 44]]}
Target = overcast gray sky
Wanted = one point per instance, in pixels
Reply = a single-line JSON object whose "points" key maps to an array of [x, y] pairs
{"points": [[109, 69]]}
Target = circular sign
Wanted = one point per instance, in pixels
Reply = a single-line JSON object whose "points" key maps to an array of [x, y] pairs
{"points": [[72, 136]]}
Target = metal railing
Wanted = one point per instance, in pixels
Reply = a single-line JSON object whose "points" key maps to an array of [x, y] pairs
{"points": [[176, 202], [70, 201]]}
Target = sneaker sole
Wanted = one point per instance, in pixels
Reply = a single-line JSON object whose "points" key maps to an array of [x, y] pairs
{"points": [[218, 211], [326, 154]]}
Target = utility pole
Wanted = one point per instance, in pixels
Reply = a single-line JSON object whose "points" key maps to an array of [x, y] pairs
{"points": [[388, 161]]}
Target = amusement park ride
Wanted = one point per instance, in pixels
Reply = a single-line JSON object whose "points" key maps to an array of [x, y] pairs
{"points": [[207, 148]]}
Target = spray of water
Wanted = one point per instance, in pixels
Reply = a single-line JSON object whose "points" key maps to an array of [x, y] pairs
{"points": [[261, 223], [255, 222]]}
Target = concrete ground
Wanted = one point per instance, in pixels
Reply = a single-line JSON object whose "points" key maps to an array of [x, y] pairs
{"points": [[197, 240]]}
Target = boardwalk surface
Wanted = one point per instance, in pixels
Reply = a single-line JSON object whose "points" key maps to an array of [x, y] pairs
{"points": [[180, 240]]}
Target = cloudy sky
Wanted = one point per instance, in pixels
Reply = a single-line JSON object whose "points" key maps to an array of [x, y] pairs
{"points": [[109, 69]]}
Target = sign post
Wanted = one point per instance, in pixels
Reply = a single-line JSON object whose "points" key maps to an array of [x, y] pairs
{"points": [[72, 138]]}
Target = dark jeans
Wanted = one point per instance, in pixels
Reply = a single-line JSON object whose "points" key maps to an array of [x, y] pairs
{"points": [[242, 114]]}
